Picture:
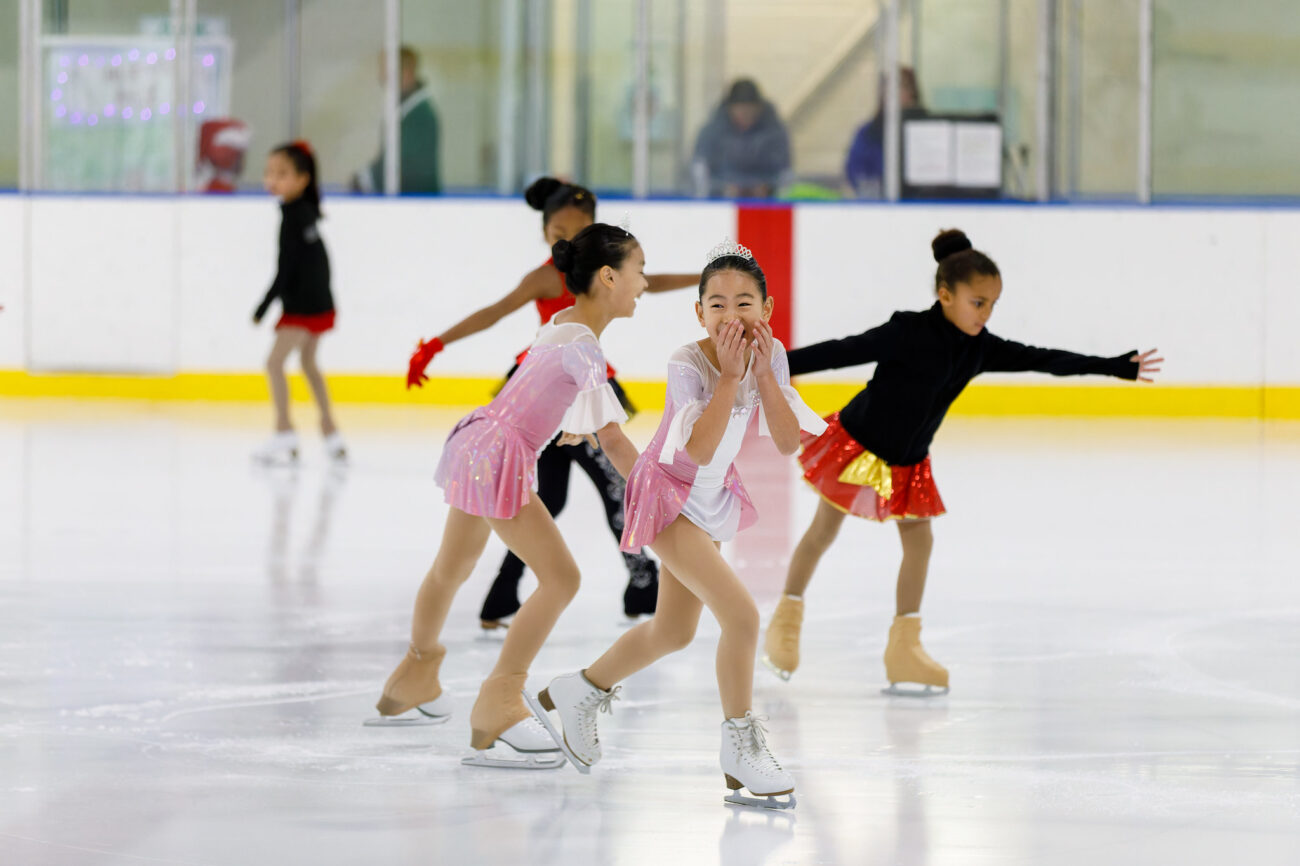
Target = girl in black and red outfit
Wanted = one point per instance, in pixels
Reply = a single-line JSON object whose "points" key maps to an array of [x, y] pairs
{"points": [[874, 460], [302, 283], [566, 210]]}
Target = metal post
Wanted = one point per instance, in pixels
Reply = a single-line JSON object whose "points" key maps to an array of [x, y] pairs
{"points": [[508, 104], [536, 113], [392, 97], [184, 17], [293, 66], [1004, 60], [893, 108], [27, 70], [1046, 101], [1144, 137], [641, 104], [582, 93], [679, 127], [1074, 87]]}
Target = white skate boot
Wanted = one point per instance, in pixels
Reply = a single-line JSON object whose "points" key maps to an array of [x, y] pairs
{"points": [[578, 703], [336, 449], [747, 762], [504, 733], [532, 746], [280, 450]]}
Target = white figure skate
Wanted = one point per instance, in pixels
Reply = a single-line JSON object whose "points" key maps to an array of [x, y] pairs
{"points": [[578, 702], [336, 449], [747, 762], [280, 450], [435, 712], [527, 746]]}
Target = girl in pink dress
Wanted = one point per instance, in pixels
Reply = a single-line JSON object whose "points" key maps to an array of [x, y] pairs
{"points": [[488, 473], [684, 497]]}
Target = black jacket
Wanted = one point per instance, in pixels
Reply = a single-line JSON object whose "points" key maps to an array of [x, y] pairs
{"points": [[923, 363], [302, 281]]}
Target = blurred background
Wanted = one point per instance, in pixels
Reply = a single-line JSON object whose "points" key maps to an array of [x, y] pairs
{"points": [[1108, 99]]}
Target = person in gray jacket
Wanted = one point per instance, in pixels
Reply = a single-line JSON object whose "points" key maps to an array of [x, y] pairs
{"points": [[744, 149]]}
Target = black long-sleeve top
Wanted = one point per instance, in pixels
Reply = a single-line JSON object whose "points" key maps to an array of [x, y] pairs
{"points": [[923, 363], [302, 279]]}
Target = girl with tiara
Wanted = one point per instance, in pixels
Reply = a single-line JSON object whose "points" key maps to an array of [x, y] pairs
{"points": [[684, 497], [487, 470], [566, 210], [873, 461]]}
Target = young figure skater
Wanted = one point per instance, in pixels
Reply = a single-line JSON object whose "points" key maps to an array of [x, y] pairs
{"points": [[566, 210], [874, 459], [684, 497], [487, 471], [302, 283]]}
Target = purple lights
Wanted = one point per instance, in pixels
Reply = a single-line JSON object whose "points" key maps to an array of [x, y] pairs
{"points": [[83, 60], [76, 117], [92, 120], [152, 58], [165, 108], [171, 54], [65, 62], [198, 107], [56, 94], [61, 111], [63, 78], [134, 55], [208, 60], [110, 110], [117, 59], [127, 113], [145, 114]]}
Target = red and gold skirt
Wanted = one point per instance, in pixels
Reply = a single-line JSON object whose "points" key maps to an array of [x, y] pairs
{"points": [[316, 323], [858, 482]]}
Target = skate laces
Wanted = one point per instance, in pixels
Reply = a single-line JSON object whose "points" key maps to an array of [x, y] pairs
{"points": [[606, 702], [758, 748]]}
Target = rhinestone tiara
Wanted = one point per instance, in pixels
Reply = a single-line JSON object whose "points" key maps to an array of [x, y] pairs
{"points": [[728, 247]]}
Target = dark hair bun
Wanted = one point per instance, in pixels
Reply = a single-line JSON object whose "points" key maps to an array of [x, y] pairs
{"points": [[948, 242], [563, 254], [542, 189]]}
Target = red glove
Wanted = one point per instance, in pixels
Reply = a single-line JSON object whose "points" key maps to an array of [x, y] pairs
{"points": [[419, 360]]}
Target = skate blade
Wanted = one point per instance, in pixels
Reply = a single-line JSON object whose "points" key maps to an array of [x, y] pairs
{"points": [[545, 719], [783, 674], [494, 629], [768, 802], [895, 690], [416, 718], [504, 757]]}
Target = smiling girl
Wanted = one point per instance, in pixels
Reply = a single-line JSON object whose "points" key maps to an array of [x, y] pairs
{"points": [[684, 497], [874, 459]]}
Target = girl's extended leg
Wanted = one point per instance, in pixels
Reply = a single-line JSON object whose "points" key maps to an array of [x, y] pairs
{"points": [[317, 383], [918, 541], [287, 341], [696, 563], [814, 544], [463, 540], [671, 629]]}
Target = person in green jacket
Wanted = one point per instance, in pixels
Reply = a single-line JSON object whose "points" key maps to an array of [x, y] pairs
{"points": [[419, 158]]}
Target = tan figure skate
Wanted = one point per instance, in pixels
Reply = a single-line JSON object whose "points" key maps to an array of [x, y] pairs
{"points": [[413, 696], [500, 716], [906, 661], [781, 646]]}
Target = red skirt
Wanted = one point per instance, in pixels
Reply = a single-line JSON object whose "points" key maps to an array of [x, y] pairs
{"points": [[317, 323], [858, 482]]}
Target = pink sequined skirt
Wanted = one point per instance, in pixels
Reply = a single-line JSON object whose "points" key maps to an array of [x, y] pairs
{"points": [[653, 499], [486, 468]]}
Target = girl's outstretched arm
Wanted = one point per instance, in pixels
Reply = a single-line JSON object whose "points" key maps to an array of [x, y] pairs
{"points": [[781, 420], [542, 282], [618, 448], [669, 282], [1008, 356]]}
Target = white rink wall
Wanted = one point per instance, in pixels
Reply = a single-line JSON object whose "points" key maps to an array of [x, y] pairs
{"points": [[161, 285]]}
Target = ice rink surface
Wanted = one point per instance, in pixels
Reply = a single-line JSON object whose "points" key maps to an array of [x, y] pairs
{"points": [[188, 648]]}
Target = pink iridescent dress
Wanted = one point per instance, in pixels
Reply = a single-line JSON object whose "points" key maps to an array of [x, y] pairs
{"points": [[665, 481], [489, 464]]}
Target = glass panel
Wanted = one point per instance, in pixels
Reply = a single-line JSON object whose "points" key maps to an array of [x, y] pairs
{"points": [[341, 102], [235, 134], [1225, 118], [9, 103], [608, 84], [107, 75], [451, 132], [1019, 111], [1097, 99]]}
